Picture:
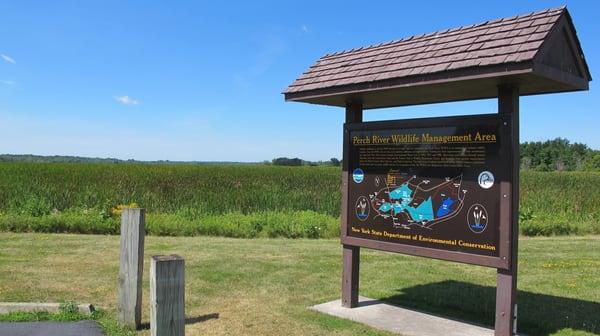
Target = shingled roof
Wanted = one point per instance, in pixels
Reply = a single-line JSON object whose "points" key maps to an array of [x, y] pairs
{"points": [[538, 51]]}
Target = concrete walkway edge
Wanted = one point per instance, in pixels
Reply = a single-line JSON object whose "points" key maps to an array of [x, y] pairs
{"points": [[50, 328], [384, 316], [9, 307]]}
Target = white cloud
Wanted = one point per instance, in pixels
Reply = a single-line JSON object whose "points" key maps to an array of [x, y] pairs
{"points": [[8, 59], [126, 100], [8, 82], [304, 28]]}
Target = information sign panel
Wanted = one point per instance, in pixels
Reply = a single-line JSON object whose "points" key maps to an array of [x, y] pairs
{"points": [[428, 186]]}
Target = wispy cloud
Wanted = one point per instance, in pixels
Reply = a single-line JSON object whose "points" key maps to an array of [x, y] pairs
{"points": [[8, 59], [304, 28], [126, 100], [8, 82], [270, 46]]}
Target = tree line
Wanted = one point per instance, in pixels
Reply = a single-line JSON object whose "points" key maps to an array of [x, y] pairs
{"points": [[558, 155], [285, 161], [550, 155]]}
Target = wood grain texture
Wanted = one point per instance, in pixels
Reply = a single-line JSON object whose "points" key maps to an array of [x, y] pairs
{"points": [[167, 296], [350, 276], [131, 267], [350, 254], [506, 280]]}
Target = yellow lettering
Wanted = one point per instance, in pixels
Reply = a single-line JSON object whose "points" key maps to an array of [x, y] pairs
{"points": [[485, 137], [356, 140]]}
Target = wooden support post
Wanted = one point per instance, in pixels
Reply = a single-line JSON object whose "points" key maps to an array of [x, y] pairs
{"points": [[350, 254], [354, 112], [351, 265], [167, 296], [506, 291], [131, 267]]}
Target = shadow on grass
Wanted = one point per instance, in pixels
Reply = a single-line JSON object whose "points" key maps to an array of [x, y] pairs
{"points": [[188, 320], [539, 314]]}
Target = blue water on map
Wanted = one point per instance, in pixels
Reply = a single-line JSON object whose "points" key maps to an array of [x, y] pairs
{"points": [[403, 193], [385, 207], [445, 208], [398, 208], [423, 212]]}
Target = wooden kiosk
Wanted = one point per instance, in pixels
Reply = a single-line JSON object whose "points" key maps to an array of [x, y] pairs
{"points": [[445, 188]]}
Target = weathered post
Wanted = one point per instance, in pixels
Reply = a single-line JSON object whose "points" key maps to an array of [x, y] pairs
{"points": [[131, 267], [350, 254], [506, 292], [167, 296]]}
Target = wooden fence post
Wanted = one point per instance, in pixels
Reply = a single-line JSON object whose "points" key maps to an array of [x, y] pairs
{"points": [[131, 267], [167, 296]]}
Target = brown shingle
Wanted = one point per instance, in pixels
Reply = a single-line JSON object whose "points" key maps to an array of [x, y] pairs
{"points": [[514, 39]]}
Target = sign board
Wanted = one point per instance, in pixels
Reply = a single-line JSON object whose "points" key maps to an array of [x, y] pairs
{"points": [[429, 187], [445, 188]]}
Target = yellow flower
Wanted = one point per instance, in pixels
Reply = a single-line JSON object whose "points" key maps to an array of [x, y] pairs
{"points": [[118, 210]]}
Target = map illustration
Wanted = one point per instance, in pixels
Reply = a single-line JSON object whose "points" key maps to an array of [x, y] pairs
{"points": [[408, 200]]}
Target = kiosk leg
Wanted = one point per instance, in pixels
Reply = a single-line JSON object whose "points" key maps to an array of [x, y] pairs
{"points": [[351, 254], [351, 262], [506, 290], [506, 307]]}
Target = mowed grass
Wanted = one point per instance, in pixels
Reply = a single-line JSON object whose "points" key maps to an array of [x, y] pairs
{"points": [[264, 286]]}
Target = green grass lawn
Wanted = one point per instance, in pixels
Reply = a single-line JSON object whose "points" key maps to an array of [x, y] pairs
{"points": [[264, 286]]}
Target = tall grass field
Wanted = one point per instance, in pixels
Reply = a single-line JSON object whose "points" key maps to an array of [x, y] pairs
{"points": [[240, 200]]}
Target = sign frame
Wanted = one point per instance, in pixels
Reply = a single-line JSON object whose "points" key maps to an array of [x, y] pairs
{"points": [[504, 258]]}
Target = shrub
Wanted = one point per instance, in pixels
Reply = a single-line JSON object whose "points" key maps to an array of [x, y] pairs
{"points": [[296, 224]]}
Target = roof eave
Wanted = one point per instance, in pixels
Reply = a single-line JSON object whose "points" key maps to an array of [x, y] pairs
{"points": [[575, 83], [458, 75]]}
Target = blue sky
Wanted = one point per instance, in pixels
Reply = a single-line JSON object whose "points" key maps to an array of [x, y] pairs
{"points": [[192, 80]]}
